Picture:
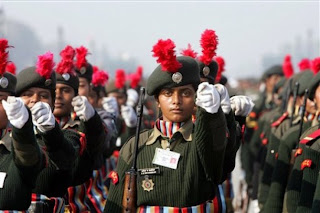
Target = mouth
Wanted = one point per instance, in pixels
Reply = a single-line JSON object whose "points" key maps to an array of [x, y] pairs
{"points": [[176, 111], [58, 105]]}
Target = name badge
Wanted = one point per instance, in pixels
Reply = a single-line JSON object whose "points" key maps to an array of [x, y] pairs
{"points": [[2, 178], [149, 171], [166, 158]]}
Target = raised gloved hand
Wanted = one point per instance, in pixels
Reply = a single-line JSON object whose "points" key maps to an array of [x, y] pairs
{"points": [[16, 111], [208, 97], [224, 98], [129, 116], [132, 97], [82, 108], [241, 105], [42, 116], [110, 105]]}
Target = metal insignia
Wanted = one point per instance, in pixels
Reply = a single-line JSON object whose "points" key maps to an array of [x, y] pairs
{"points": [[83, 70], [48, 82], [66, 76], [147, 184], [177, 77], [206, 71], [4, 82]]}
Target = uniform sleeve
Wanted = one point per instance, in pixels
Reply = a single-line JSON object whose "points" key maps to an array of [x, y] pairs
{"points": [[210, 139], [61, 146]]}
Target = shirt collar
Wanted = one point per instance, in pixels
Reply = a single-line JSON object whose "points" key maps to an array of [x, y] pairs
{"points": [[185, 130]]}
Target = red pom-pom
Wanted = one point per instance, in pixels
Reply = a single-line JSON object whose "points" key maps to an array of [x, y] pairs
{"points": [[209, 43], [45, 65], [315, 65], [99, 77], [66, 64], [164, 51], [120, 78], [3, 55], [220, 62], [287, 66], [139, 71], [82, 52], [304, 64], [189, 52], [95, 69], [11, 67]]}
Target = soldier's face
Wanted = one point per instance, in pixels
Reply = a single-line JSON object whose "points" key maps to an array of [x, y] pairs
{"points": [[271, 81], [84, 87], [121, 98], [3, 115], [317, 98], [177, 104], [64, 96], [93, 99], [34, 94]]}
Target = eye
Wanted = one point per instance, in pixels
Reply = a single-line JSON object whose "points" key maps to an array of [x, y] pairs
{"points": [[27, 93], [186, 93]]}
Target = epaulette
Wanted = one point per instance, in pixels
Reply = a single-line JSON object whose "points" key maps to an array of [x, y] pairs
{"points": [[280, 120], [306, 163], [313, 136]]}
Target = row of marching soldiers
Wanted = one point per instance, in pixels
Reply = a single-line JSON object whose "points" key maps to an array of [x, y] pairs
{"points": [[62, 128], [281, 155]]}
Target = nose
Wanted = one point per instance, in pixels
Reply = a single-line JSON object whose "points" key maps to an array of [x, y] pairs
{"points": [[176, 99], [58, 94], [34, 98]]}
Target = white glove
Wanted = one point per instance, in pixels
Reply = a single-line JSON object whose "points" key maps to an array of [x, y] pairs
{"points": [[132, 97], [110, 104], [129, 116], [208, 97], [16, 111], [82, 108], [42, 116], [224, 98], [241, 105]]}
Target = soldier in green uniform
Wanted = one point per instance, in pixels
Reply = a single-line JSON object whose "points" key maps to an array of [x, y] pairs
{"points": [[188, 179], [21, 158]]}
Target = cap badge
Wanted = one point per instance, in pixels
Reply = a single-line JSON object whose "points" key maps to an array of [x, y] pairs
{"points": [[177, 77], [48, 82], [4, 82], [66, 76], [147, 184], [206, 71], [83, 70]]}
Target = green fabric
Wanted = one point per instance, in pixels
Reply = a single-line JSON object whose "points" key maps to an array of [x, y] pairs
{"points": [[85, 72], [70, 80], [12, 81], [160, 79], [314, 85], [213, 68], [21, 166], [199, 167], [316, 197], [274, 70]]}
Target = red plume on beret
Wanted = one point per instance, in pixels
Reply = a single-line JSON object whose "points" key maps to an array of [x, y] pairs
{"points": [[99, 77], [189, 52], [45, 65], [82, 52], [3, 55], [66, 64], [287, 66], [221, 64], [315, 65], [136, 77], [120, 78], [11, 67], [304, 64], [208, 42], [164, 51]]}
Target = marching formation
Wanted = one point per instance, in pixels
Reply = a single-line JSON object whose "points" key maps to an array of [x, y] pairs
{"points": [[73, 140]]}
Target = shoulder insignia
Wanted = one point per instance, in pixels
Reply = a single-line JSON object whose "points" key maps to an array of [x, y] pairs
{"points": [[280, 120], [306, 163], [313, 136], [114, 177], [298, 152]]}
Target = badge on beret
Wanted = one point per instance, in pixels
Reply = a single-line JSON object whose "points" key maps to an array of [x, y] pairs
{"points": [[147, 184], [177, 77], [48, 82], [66, 76], [4, 82], [206, 71], [83, 70]]}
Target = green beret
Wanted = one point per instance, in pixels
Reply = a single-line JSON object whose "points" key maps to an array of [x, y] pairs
{"points": [[314, 85], [208, 71], [70, 80], [188, 73], [279, 84], [274, 70], [303, 78], [85, 72], [29, 77], [111, 87], [223, 80], [8, 83]]}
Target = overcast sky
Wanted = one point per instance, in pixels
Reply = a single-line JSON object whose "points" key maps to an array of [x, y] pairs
{"points": [[246, 29]]}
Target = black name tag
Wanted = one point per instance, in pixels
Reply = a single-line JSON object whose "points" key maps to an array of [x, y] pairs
{"points": [[149, 171]]}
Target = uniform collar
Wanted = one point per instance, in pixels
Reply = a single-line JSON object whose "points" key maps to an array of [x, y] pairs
{"points": [[67, 122], [185, 130], [6, 139]]}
